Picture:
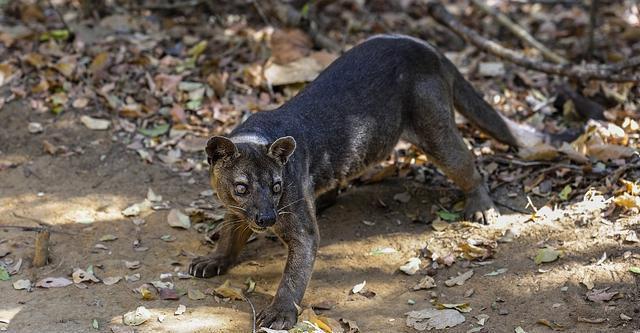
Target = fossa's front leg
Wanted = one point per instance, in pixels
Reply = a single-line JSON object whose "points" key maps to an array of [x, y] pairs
{"points": [[299, 231], [233, 237]]}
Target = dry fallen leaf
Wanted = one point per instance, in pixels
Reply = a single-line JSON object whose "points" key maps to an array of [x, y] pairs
{"points": [[56, 282], [109, 281], [542, 152], [95, 123], [411, 267], [600, 295], [459, 280], [627, 201], [547, 254], [358, 287], [80, 275], [195, 294], [428, 319], [137, 317], [302, 70], [22, 284], [99, 63], [178, 219], [180, 310], [426, 282], [226, 290]]}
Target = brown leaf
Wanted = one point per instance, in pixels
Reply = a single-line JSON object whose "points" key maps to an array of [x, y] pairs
{"points": [[543, 152], [66, 66], [217, 83], [49, 148], [177, 114], [288, 45], [34, 59], [228, 291], [99, 63], [605, 151], [600, 295], [42, 86]]}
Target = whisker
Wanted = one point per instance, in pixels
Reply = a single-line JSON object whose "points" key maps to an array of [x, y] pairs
{"points": [[294, 202], [237, 207], [287, 212]]}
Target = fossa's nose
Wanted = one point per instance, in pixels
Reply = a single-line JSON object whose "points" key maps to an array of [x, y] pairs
{"points": [[266, 219]]}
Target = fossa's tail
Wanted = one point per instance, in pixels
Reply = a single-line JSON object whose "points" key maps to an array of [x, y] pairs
{"points": [[472, 106]]}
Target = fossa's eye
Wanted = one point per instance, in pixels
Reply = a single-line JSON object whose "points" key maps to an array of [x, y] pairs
{"points": [[277, 187], [241, 189]]}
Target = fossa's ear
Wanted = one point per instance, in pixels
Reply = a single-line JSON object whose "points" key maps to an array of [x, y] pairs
{"points": [[220, 148], [282, 149]]}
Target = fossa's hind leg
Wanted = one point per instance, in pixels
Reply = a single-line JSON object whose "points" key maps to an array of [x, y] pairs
{"points": [[326, 200], [433, 129]]}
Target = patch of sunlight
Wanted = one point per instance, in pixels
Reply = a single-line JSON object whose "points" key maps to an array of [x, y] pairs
{"points": [[56, 210], [195, 320], [6, 315], [13, 158]]}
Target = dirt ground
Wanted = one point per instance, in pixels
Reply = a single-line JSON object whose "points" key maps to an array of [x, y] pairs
{"points": [[104, 177]]}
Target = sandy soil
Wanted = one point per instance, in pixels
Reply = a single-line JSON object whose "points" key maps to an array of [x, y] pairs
{"points": [[105, 177]]}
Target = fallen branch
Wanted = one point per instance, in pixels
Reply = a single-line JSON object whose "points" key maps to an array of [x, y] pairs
{"points": [[520, 32], [41, 252], [169, 5], [290, 16], [581, 72]]}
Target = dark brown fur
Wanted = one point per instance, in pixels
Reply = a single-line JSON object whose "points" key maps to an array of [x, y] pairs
{"points": [[349, 118]]}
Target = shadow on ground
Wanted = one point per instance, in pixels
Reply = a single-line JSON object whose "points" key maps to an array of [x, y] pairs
{"points": [[106, 177]]}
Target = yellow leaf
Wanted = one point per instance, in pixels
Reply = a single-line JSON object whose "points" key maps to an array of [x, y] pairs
{"points": [[65, 68], [228, 291], [147, 295], [34, 59], [627, 201], [6, 72], [42, 86], [99, 62], [630, 187], [311, 316], [197, 49]]}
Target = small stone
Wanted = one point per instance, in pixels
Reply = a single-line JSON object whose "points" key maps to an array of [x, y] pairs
{"points": [[35, 128]]}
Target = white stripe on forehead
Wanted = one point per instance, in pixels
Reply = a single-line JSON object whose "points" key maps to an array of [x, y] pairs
{"points": [[249, 138]]}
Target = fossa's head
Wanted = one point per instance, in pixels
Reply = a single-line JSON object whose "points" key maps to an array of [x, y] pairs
{"points": [[247, 177]]}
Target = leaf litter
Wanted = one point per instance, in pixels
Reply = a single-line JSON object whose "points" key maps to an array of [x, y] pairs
{"points": [[602, 141]]}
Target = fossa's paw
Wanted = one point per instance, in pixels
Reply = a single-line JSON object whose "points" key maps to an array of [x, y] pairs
{"points": [[205, 267], [480, 208], [278, 316]]}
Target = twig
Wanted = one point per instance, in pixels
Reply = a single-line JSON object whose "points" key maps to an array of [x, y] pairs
{"points": [[593, 18], [546, 2], [21, 227], [504, 160], [253, 313], [167, 6], [509, 207], [520, 32], [66, 26], [581, 72], [621, 171], [290, 16], [41, 252], [40, 222], [537, 172], [43, 225], [261, 12]]}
